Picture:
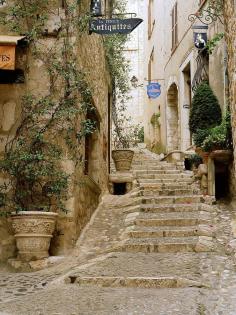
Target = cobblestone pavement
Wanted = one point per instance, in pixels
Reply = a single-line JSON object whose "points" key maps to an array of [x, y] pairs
{"points": [[54, 292]]}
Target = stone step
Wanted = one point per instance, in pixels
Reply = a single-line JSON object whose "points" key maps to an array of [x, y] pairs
{"points": [[157, 172], [164, 176], [173, 219], [152, 182], [152, 167], [134, 282], [170, 192], [173, 231], [171, 208], [172, 200], [168, 185], [168, 244]]}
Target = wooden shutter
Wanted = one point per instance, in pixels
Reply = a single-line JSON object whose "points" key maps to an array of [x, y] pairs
{"points": [[174, 15]]}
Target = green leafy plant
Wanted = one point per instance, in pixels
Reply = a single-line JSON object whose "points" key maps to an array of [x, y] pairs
{"points": [[124, 132], [211, 44], [205, 112], [49, 129], [220, 137], [195, 160], [200, 136]]}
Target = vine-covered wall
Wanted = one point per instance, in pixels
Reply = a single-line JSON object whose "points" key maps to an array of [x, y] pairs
{"points": [[84, 189]]}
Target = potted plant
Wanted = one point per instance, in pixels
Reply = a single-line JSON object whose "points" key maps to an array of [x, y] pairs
{"points": [[47, 133], [219, 141], [205, 113]]}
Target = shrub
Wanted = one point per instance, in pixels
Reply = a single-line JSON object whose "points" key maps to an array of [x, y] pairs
{"points": [[200, 136], [205, 112], [219, 137]]}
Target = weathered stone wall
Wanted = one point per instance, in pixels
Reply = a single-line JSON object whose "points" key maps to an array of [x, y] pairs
{"points": [[230, 32], [85, 190]]}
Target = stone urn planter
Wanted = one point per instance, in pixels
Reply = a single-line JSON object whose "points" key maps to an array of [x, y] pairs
{"points": [[123, 159], [33, 232]]}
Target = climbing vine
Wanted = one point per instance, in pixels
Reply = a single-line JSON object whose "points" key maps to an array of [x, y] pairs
{"points": [[53, 122], [123, 132]]}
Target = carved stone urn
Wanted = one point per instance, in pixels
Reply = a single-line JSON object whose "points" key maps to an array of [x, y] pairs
{"points": [[33, 232], [123, 159]]}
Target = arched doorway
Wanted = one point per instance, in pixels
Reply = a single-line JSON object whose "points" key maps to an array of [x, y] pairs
{"points": [[172, 118]]}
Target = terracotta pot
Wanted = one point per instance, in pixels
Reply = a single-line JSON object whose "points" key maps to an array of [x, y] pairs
{"points": [[224, 156], [123, 159], [204, 155], [33, 232]]}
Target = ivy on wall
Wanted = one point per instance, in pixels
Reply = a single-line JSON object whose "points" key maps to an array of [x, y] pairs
{"points": [[53, 123]]}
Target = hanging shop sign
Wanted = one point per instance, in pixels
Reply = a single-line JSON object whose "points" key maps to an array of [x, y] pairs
{"points": [[153, 90], [114, 26], [96, 7], [200, 40], [7, 57]]}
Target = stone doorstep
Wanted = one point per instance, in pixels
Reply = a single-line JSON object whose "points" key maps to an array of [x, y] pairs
{"points": [[134, 282]]}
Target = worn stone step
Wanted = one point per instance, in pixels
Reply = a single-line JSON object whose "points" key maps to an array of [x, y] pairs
{"points": [[171, 208], [164, 176], [169, 231], [152, 167], [162, 185], [170, 192], [172, 199], [135, 282], [168, 244], [157, 172], [152, 182]]}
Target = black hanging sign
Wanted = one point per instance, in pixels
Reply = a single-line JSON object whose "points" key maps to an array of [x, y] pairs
{"points": [[114, 26]]}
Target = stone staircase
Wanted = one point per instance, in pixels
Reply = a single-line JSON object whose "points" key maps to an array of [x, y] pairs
{"points": [[168, 227]]}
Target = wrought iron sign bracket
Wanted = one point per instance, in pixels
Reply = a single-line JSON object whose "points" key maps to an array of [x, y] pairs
{"points": [[206, 16]]}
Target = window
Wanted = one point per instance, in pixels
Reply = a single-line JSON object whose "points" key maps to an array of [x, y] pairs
{"points": [[151, 20], [174, 15], [150, 65]]}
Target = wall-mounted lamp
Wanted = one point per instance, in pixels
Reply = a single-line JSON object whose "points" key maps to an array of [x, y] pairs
{"points": [[96, 7], [134, 82]]}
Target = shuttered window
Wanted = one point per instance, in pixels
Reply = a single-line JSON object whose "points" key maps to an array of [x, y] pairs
{"points": [[174, 15]]}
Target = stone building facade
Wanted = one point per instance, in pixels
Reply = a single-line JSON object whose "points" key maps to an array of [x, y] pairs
{"points": [[179, 66], [172, 60], [90, 179], [230, 35]]}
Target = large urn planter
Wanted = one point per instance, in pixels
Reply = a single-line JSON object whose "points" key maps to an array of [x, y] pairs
{"points": [[33, 232], [123, 159]]}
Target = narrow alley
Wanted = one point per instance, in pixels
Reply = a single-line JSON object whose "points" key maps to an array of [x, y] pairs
{"points": [[163, 248], [117, 157]]}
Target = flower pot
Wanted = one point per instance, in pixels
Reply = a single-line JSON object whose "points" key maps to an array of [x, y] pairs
{"points": [[123, 159], [33, 232], [202, 154]]}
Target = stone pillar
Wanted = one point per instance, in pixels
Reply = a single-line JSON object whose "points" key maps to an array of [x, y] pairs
{"points": [[211, 177]]}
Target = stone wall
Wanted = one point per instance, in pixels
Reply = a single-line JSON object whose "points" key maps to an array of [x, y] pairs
{"points": [[230, 31], [85, 190]]}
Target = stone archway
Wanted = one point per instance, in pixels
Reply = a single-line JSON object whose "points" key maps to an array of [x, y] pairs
{"points": [[172, 118]]}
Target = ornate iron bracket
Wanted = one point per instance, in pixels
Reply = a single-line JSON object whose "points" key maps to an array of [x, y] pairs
{"points": [[209, 15]]}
